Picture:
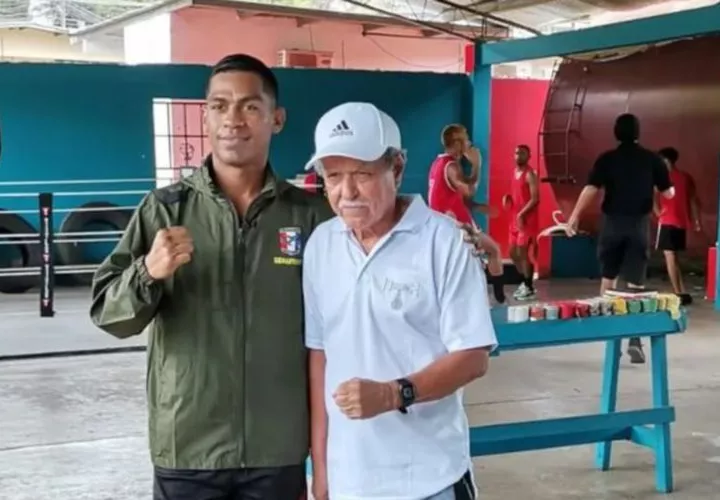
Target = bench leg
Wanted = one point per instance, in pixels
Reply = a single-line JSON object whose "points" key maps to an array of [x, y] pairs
{"points": [[661, 398], [608, 399]]}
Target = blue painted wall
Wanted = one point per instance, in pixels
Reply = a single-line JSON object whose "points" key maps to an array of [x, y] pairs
{"points": [[77, 121]]}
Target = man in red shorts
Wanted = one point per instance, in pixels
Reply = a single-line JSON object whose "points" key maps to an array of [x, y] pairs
{"points": [[451, 192], [522, 202], [675, 216]]}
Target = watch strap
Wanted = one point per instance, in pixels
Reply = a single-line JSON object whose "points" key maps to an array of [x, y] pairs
{"points": [[407, 394]]}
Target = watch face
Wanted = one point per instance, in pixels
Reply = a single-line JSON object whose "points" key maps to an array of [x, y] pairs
{"points": [[407, 393]]}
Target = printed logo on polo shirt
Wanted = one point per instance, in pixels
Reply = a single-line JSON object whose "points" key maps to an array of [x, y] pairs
{"points": [[290, 245], [341, 129], [400, 293]]}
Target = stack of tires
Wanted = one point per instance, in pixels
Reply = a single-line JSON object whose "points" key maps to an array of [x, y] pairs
{"points": [[27, 253], [15, 256]]}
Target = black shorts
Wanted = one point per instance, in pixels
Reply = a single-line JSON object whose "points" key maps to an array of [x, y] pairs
{"points": [[464, 489], [623, 247], [272, 483], [671, 238]]}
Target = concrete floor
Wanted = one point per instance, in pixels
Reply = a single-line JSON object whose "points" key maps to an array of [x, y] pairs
{"points": [[73, 428]]}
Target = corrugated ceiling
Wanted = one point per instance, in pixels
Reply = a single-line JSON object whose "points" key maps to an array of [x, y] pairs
{"points": [[538, 16]]}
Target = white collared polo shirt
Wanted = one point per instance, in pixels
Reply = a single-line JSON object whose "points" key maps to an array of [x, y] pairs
{"points": [[417, 296]]}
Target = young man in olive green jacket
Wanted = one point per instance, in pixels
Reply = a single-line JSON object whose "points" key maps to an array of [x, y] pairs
{"points": [[212, 265]]}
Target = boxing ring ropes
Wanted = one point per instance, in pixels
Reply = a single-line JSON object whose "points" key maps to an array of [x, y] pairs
{"points": [[649, 427], [48, 240]]}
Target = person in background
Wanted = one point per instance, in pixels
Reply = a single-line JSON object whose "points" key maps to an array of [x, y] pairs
{"points": [[523, 204], [397, 323], [451, 192], [314, 183], [675, 216], [456, 146], [629, 176]]}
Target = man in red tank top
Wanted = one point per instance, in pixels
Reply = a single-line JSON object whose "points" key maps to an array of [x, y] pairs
{"points": [[675, 216], [451, 192], [522, 202], [314, 182]]}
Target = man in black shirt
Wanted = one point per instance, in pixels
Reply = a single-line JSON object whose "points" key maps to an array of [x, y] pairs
{"points": [[629, 175]]}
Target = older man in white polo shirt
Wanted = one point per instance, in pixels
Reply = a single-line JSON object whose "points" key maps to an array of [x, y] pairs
{"points": [[397, 323]]}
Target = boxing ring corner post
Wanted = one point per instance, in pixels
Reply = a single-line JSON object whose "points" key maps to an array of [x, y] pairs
{"points": [[480, 125], [649, 427], [47, 266]]}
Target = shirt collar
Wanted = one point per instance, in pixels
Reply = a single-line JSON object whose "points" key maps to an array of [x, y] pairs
{"points": [[415, 216]]}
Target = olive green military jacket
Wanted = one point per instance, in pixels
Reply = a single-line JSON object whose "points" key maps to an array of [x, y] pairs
{"points": [[227, 381]]}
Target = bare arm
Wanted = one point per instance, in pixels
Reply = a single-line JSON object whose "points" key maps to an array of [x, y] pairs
{"points": [[314, 341], [448, 374], [597, 179], [534, 194], [694, 202], [657, 211], [466, 330], [661, 179], [587, 196], [466, 186], [318, 412]]}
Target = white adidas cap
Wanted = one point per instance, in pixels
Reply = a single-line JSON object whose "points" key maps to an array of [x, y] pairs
{"points": [[356, 130]]}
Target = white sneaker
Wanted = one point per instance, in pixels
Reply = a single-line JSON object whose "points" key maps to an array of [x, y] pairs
{"points": [[521, 290], [527, 294]]}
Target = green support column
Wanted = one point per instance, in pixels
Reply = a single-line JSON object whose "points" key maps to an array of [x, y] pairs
{"points": [[482, 82]]}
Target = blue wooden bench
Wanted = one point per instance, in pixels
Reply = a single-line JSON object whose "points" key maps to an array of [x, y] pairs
{"points": [[647, 427]]}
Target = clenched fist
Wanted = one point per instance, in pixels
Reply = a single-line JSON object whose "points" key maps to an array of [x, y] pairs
{"points": [[473, 155], [361, 398], [172, 248]]}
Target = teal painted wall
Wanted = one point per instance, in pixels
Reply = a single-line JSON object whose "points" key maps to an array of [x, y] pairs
{"points": [[77, 121]]}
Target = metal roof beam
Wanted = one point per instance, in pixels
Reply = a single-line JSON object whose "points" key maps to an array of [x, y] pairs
{"points": [[686, 24], [486, 16], [131, 17]]}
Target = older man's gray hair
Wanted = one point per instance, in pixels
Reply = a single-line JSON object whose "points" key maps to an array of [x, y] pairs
{"points": [[390, 156]]}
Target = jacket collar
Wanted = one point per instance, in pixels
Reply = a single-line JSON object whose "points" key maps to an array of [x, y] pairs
{"points": [[204, 180]]}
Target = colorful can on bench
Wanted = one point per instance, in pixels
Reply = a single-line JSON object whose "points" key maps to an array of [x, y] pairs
{"points": [[552, 311], [606, 307], [634, 306], [567, 310], [518, 314], [582, 309], [537, 312], [619, 306], [650, 305]]}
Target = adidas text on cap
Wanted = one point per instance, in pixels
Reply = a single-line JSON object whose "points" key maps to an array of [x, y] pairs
{"points": [[356, 130]]}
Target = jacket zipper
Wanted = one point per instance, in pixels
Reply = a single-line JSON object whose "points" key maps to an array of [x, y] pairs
{"points": [[243, 309], [241, 250], [238, 256]]}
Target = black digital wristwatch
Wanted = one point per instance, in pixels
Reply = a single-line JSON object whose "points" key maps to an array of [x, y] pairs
{"points": [[407, 394]]}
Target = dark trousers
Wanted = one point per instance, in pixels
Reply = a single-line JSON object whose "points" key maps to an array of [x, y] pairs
{"points": [[623, 247], [623, 250], [272, 483]]}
